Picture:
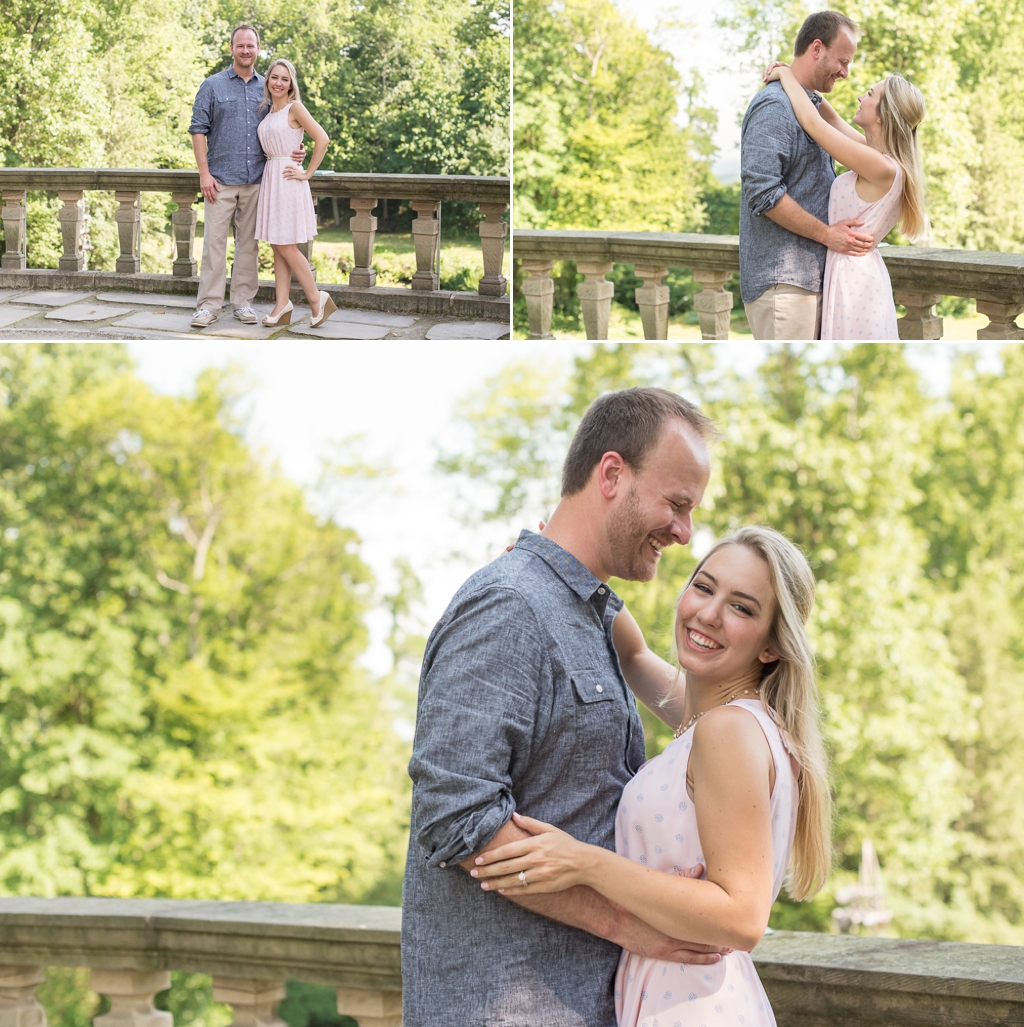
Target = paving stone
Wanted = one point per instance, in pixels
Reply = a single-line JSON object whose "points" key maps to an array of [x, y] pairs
{"points": [[332, 329], [148, 299], [8, 315], [55, 297], [162, 321], [469, 330], [7, 294], [229, 327], [87, 312], [373, 317]]}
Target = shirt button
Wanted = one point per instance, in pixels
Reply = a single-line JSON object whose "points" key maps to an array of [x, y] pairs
{"points": [[600, 688], [600, 591], [443, 864]]}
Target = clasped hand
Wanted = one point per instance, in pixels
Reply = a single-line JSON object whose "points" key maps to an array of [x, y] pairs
{"points": [[551, 860], [771, 73]]}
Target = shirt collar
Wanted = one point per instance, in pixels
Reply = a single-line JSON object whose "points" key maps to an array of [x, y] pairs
{"points": [[234, 74], [566, 566]]}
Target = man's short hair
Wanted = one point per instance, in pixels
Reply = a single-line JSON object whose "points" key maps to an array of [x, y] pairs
{"points": [[629, 423], [244, 25], [823, 25]]}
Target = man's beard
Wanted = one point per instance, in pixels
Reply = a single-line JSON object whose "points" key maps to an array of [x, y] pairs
{"points": [[627, 537]]}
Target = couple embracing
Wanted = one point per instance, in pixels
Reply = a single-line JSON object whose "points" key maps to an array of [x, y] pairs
{"points": [[247, 133], [555, 879], [809, 261]]}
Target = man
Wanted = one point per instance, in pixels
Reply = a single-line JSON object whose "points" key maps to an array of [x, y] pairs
{"points": [[522, 706], [786, 179], [225, 116]]}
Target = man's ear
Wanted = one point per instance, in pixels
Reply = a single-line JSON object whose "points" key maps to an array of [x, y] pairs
{"points": [[610, 471]]}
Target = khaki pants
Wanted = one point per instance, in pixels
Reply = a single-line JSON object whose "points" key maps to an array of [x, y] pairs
{"points": [[238, 203], [785, 312]]}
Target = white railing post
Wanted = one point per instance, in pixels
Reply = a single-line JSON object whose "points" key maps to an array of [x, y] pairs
{"points": [[129, 223], [1002, 319], [492, 241], [652, 299], [539, 290], [424, 236], [18, 1005], [131, 994], [253, 1002], [713, 303], [921, 321], [595, 294], [183, 229], [72, 229], [371, 1007], [363, 226], [15, 219]]}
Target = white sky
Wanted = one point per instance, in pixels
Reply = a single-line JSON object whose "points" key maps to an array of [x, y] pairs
{"points": [[400, 395]]}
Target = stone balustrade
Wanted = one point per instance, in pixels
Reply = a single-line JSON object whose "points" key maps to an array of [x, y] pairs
{"points": [[251, 948], [920, 278], [426, 193]]}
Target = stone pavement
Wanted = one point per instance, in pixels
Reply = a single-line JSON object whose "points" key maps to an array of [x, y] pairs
{"points": [[34, 314]]}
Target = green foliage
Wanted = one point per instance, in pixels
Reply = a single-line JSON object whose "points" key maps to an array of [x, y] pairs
{"points": [[905, 508], [596, 140], [180, 706]]}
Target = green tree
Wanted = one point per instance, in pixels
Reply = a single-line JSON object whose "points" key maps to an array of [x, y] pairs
{"points": [[180, 704]]}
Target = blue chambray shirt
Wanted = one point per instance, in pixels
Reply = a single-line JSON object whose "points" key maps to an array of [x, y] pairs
{"points": [[522, 705], [227, 110], [777, 156]]}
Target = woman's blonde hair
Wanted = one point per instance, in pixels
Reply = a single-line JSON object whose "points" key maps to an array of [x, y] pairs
{"points": [[293, 88], [901, 110], [790, 691]]}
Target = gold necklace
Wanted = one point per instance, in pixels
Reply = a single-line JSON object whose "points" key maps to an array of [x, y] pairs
{"points": [[693, 720]]}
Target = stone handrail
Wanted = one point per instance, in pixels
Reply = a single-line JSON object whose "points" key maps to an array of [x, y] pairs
{"points": [[920, 278], [252, 948], [426, 193]]}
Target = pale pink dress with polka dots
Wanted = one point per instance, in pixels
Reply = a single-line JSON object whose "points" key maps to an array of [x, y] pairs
{"points": [[285, 212], [857, 298], [656, 825]]}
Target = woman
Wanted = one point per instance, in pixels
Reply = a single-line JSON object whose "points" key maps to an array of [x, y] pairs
{"points": [[884, 187], [285, 214], [741, 787]]}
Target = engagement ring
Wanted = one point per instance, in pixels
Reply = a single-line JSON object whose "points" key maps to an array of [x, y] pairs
{"points": [[522, 878]]}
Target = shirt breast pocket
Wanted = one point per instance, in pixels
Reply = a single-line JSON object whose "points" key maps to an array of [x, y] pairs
{"points": [[599, 719], [224, 101]]}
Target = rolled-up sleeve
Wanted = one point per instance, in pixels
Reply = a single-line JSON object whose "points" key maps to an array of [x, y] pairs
{"points": [[483, 676], [767, 142], [202, 111]]}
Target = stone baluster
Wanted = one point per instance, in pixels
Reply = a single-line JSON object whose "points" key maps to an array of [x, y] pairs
{"points": [[425, 231], [539, 290], [183, 228], [1002, 318], [15, 230], [371, 1007], [921, 321], [713, 303], [492, 241], [18, 1005], [72, 228], [129, 224], [131, 994], [595, 294], [363, 226], [253, 1002], [652, 299]]}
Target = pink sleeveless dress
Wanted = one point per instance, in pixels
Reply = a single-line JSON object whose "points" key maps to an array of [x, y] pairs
{"points": [[656, 825], [857, 298], [285, 211]]}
